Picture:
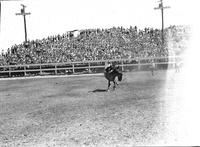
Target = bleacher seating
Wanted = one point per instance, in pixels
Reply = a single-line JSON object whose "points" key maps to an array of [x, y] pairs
{"points": [[98, 44]]}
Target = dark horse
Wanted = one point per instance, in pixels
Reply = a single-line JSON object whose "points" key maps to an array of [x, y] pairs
{"points": [[110, 76]]}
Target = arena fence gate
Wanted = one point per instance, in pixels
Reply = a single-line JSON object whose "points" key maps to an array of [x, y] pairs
{"points": [[97, 66]]}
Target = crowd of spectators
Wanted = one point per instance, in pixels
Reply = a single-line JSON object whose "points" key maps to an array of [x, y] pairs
{"points": [[96, 44]]}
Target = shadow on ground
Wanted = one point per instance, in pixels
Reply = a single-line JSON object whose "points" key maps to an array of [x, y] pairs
{"points": [[99, 90]]}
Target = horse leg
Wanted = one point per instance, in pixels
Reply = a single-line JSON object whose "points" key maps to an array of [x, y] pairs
{"points": [[114, 84], [108, 85]]}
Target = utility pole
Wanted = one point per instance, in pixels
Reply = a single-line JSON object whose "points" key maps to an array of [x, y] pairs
{"points": [[23, 13], [161, 7]]}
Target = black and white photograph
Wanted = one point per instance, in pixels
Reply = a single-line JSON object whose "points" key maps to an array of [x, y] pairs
{"points": [[99, 73]]}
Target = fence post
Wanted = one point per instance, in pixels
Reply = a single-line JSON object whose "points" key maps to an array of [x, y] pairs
{"points": [[73, 68], [40, 69], [24, 70], [122, 65], [9, 72], [89, 67], [56, 72], [155, 62], [139, 66], [174, 60]]}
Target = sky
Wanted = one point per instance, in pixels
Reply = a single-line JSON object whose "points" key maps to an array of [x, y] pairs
{"points": [[51, 17]]}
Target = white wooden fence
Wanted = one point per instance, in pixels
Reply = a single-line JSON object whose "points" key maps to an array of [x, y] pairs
{"points": [[89, 66]]}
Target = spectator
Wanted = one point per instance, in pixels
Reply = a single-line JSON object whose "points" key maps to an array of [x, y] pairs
{"points": [[98, 44]]}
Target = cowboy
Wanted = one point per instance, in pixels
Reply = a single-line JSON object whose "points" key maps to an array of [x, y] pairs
{"points": [[152, 67], [109, 67]]}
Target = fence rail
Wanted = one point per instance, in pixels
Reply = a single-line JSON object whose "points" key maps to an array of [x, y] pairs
{"points": [[87, 66]]}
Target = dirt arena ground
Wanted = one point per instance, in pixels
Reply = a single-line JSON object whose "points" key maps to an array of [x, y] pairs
{"points": [[77, 111]]}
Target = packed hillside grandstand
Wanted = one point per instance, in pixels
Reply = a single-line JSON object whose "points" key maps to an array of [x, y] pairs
{"points": [[98, 44]]}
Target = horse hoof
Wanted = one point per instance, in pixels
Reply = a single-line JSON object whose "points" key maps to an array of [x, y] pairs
{"points": [[108, 90]]}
